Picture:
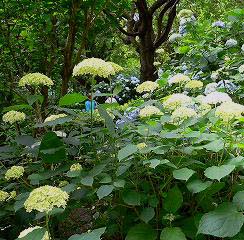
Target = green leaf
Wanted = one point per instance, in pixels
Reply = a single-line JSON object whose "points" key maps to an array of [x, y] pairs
{"points": [[183, 49], [18, 107], [223, 222], [174, 200], [25, 140], [172, 233], [20, 200], [33, 98], [55, 122], [87, 181], [141, 232], [147, 214], [118, 88], [183, 173], [127, 151], [104, 191], [238, 200], [93, 235], [197, 186], [153, 163], [120, 183], [36, 234], [71, 99], [108, 120], [132, 198], [52, 149], [215, 146], [217, 173]]}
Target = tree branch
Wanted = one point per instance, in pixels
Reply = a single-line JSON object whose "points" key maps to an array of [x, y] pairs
{"points": [[164, 35], [131, 34], [156, 5]]}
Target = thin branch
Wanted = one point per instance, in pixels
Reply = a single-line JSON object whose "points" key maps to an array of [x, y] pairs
{"points": [[132, 34], [156, 5], [161, 16], [164, 36]]}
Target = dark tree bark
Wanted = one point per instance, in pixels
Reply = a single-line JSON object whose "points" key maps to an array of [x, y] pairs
{"points": [[69, 46], [143, 36]]}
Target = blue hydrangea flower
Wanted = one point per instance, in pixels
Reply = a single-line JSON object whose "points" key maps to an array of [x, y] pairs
{"points": [[218, 24]]}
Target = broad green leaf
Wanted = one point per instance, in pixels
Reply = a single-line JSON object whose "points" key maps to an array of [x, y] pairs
{"points": [[238, 200], [108, 120], [197, 186], [172, 233], [36, 234], [215, 146], [223, 222], [217, 173], [141, 232], [25, 140], [153, 163], [20, 200], [87, 181], [97, 170], [71, 99], [93, 235], [104, 191], [58, 121], [52, 149], [174, 200], [120, 183], [127, 151], [132, 198], [183, 173], [147, 214], [18, 107], [33, 98]]}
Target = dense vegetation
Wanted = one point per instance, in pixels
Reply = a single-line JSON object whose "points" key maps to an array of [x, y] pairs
{"points": [[121, 120]]}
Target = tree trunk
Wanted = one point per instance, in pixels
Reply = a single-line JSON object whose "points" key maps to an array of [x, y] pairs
{"points": [[148, 70], [147, 53]]}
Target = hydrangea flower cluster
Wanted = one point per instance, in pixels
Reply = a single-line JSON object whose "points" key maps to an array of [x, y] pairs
{"points": [[182, 113], [179, 78], [45, 198], [174, 37], [31, 229], [75, 167], [185, 13], [14, 172], [177, 100], [216, 97], [3, 196], [228, 111], [194, 84], [13, 117], [203, 109], [117, 68], [35, 80], [95, 67], [55, 117], [147, 86], [241, 69], [219, 24], [211, 87], [231, 43], [149, 111], [141, 145]]}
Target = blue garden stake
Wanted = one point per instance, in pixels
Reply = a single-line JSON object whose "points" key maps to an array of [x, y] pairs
{"points": [[90, 105]]}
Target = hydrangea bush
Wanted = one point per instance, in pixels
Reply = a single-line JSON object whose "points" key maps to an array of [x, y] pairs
{"points": [[165, 165]]}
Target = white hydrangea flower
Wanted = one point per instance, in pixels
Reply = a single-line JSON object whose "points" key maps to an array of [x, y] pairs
{"points": [[149, 111], [241, 69], [229, 110], [242, 48], [211, 87], [147, 86], [182, 113], [177, 100], [179, 78], [215, 75], [216, 97], [174, 37], [194, 84], [231, 43], [55, 117], [13, 117]]}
